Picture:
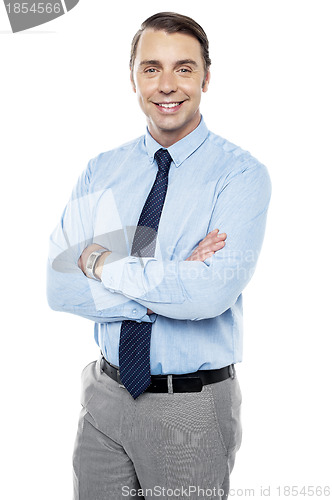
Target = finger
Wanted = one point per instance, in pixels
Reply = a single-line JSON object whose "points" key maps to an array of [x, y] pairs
{"points": [[213, 236], [215, 232], [210, 243], [219, 244], [221, 236], [210, 249], [206, 255], [200, 256]]}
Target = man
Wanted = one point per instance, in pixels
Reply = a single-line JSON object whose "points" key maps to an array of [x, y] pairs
{"points": [[141, 250]]}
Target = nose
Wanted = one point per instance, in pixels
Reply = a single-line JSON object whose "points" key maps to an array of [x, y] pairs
{"points": [[167, 82]]}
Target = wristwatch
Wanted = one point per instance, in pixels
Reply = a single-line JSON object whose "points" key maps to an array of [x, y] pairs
{"points": [[91, 263]]}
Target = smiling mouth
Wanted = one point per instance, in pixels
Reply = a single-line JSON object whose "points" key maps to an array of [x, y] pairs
{"points": [[168, 105]]}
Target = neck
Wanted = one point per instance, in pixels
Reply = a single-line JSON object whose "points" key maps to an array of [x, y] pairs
{"points": [[167, 138]]}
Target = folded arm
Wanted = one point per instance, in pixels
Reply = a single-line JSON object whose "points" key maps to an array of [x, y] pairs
{"points": [[205, 249], [194, 290], [68, 289]]}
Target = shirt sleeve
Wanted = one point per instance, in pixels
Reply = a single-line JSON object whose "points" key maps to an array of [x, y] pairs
{"points": [[193, 290], [68, 289]]}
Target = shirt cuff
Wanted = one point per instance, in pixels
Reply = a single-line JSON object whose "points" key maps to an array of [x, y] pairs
{"points": [[112, 272], [125, 275]]}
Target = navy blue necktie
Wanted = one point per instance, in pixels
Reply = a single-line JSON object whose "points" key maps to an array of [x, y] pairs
{"points": [[135, 338]]}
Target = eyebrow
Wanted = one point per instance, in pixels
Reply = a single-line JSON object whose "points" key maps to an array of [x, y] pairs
{"points": [[155, 62]]}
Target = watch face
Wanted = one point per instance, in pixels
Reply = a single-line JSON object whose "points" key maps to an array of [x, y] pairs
{"points": [[91, 263]]}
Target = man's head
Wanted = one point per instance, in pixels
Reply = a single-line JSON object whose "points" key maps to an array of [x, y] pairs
{"points": [[170, 68]]}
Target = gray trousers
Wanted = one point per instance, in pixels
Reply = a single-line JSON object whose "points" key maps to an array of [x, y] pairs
{"points": [[168, 446]]}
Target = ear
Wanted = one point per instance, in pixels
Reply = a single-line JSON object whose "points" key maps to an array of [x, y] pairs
{"points": [[132, 80], [206, 81]]}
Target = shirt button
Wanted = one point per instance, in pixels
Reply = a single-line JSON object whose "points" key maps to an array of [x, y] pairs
{"points": [[134, 311]]}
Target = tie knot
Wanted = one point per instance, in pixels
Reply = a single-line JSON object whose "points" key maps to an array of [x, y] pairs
{"points": [[163, 159]]}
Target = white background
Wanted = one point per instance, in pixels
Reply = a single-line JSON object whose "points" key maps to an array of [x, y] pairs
{"points": [[65, 97]]}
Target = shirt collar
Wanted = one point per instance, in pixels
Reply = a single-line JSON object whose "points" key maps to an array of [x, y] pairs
{"points": [[182, 149]]}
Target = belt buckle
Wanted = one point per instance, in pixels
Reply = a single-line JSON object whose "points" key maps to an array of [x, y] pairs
{"points": [[118, 379]]}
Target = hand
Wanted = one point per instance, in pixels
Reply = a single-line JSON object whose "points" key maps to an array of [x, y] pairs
{"points": [[209, 246], [85, 255]]}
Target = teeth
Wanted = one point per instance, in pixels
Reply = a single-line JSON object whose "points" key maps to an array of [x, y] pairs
{"points": [[169, 105]]}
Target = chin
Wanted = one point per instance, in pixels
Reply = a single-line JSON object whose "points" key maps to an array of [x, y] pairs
{"points": [[169, 123]]}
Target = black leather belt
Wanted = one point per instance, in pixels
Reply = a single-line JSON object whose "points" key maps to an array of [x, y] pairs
{"points": [[187, 382]]}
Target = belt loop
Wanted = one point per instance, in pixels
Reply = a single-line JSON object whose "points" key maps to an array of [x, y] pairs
{"points": [[170, 384], [231, 371]]}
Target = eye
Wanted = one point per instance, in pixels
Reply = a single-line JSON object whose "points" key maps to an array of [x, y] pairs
{"points": [[185, 70], [150, 70]]}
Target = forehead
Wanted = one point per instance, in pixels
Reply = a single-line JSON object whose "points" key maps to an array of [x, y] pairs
{"points": [[168, 47]]}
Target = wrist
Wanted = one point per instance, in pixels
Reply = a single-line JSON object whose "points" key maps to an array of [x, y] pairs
{"points": [[90, 258]]}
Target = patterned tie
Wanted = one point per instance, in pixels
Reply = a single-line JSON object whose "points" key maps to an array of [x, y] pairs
{"points": [[135, 338]]}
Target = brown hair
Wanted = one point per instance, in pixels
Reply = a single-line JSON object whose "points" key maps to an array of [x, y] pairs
{"points": [[173, 23]]}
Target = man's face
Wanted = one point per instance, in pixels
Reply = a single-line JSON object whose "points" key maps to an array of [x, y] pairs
{"points": [[168, 77]]}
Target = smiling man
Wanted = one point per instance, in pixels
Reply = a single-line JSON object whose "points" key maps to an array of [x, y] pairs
{"points": [[141, 251]]}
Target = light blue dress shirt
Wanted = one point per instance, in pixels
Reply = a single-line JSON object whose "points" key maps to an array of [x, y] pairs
{"points": [[198, 305]]}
